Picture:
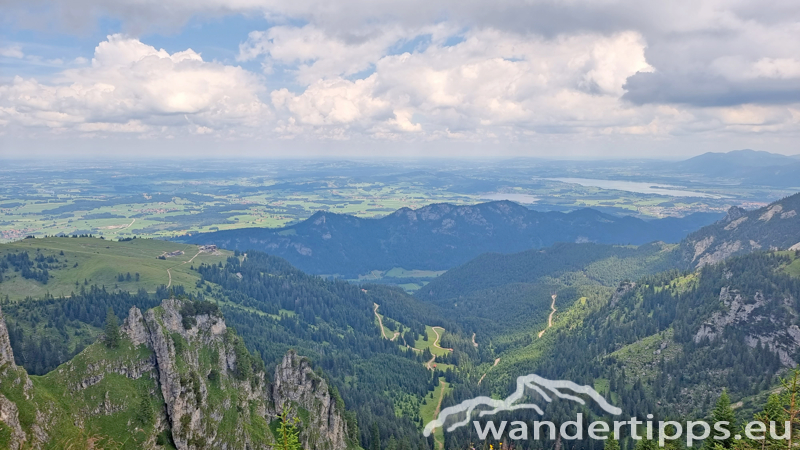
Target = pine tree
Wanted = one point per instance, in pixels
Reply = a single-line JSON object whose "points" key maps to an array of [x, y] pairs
{"points": [[773, 412], [289, 436], [724, 413], [375, 443], [791, 404], [112, 329], [611, 444]]}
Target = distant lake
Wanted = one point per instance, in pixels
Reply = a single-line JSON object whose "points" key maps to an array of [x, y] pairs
{"points": [[519, 198], [633, 186]]}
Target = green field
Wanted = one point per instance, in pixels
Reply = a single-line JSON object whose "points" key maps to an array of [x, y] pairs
{"points": [[793, 268], [428, 409], [423, 344], [409, 280], [399, 272], [88, 261]]}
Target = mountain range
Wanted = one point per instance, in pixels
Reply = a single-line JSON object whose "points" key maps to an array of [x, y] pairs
{"points": [[440, 236], [496, 290], [775, 226], [749, 167]]}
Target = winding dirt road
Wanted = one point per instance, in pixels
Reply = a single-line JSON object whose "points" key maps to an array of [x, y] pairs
{"points": [[496, 361], [429, 364], [473, 341], [380, 321], [383, 331], [438, 336], [550, 319], [169, 273], [193, 257], [436, 413]]}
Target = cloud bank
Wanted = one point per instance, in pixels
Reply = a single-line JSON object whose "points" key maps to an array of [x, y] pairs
{"points": [[525, 74]]}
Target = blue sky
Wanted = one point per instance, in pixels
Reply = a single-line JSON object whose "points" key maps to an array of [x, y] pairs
{"points": [[593, 79]]}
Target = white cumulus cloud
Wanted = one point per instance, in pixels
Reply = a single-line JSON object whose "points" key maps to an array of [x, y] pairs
{"points": [[491, 82], [133, 87]]}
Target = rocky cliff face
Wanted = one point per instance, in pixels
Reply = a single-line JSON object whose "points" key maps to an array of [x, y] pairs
{"points": [[297, 384], [775, 226], [6, 355], [178, 377], [762, 319], [10, 373], [193, 363]]}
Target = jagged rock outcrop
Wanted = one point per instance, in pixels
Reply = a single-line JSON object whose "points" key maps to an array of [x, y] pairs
{"points": [[6, 354], [746, 315], [623, 288], [181, 373], [186, 359], [134, 327], [11, 375], [734, 213], [297, 384]]}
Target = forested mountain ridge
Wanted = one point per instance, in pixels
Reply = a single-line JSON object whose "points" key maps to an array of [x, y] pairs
{"points": [[733, 324], [491, 270], [509, 289], [173, 377], [669, 343], [440, 236], [495, 294], [775, 226], [274, 307], [277, 307]]}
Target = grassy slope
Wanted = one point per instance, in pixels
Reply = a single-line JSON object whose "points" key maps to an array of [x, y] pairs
{"points": [[409, 280], [55, 393], [428, 408], [793, 268], [100, 261], [423, 344], [517, 361]]}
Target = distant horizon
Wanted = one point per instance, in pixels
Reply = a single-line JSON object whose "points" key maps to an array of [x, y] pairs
{"points": [[383, 158]]}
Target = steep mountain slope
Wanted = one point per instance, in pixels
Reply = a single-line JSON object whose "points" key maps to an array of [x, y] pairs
{"points": [[441, 236], [776, 225], [176, 378], [745, 308], [495, 294], [668, 344]]}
